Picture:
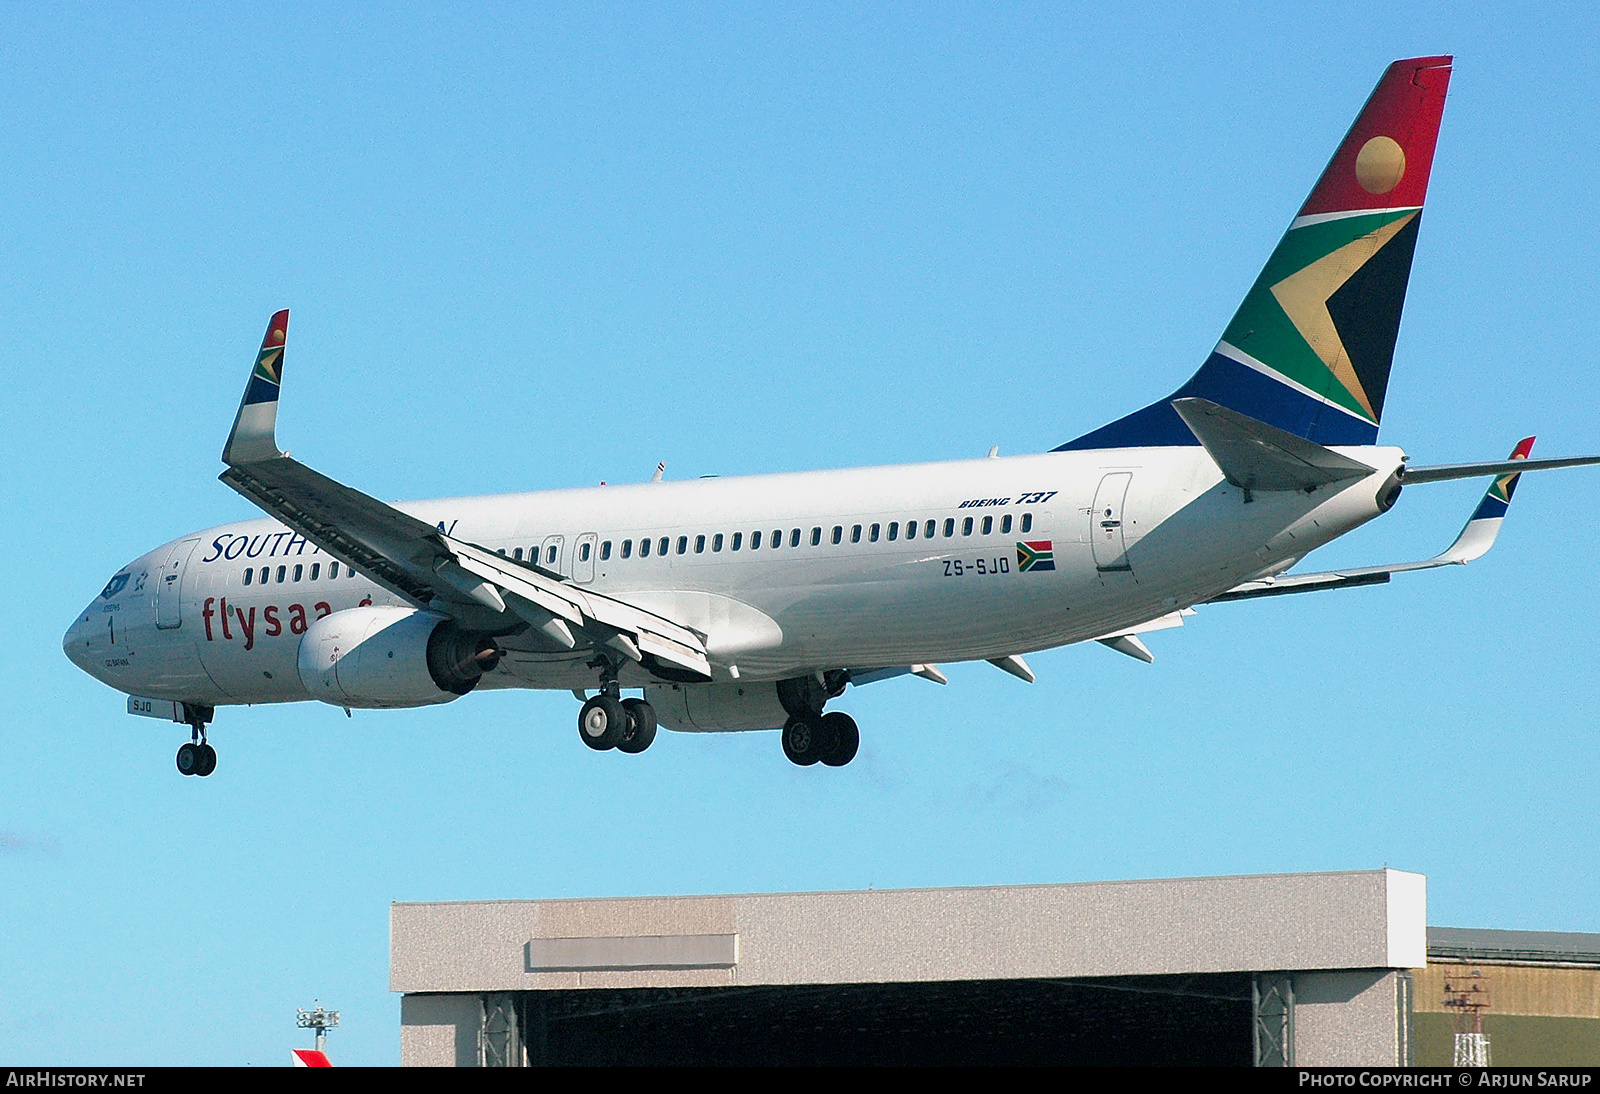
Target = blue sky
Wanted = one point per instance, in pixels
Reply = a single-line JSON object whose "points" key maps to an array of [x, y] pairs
{"points": [[541, 249]]}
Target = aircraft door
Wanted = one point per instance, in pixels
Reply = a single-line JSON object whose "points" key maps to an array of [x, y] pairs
{"points": [[169, 584], [583, 558], [1106, 532], [552, 555]]}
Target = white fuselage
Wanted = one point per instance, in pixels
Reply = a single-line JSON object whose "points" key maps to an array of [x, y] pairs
{"points": [[853, 591]]}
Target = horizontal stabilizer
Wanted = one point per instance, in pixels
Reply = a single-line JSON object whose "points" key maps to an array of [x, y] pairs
{"points": [[1477, 536], [1445, 472], [1256, 456]]}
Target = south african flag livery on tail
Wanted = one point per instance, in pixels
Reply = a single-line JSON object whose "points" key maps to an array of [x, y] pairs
{"points": [[1036, 554], [1310, 348]]}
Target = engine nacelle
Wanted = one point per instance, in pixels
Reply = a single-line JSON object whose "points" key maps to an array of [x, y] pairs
{"points": [[717, 708], [392, 657]]}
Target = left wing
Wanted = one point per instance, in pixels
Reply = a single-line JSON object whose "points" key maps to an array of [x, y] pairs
{"points": [[1474, 542], [480, 588]]}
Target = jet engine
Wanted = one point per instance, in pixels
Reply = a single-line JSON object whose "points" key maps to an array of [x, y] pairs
{"points": [[392, 657]]}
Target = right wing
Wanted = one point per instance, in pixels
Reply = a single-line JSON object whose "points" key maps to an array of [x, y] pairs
{"points": [[1474, 542], [417, 561]]}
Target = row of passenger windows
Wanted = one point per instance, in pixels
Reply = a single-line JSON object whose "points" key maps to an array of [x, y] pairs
{"points": [[736, 541], [294, 573]]}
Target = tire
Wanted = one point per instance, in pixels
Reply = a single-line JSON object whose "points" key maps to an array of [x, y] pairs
{"points": [[188, 759], [801, 740], [845, 738], [601, 723], [641, 726], [208, 761]]}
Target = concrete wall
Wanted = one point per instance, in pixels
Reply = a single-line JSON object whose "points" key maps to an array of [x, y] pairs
{"points": [[1356, 920], [1347, 1019], [440, 1030]]}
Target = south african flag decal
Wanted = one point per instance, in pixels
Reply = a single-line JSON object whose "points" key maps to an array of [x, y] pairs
{"points": [[1037, 554]]}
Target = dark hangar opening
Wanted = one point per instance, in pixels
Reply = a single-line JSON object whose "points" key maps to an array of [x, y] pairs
{"points": [[1192, 1020]]}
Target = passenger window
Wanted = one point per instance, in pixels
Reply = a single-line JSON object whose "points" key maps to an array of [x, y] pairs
{"points": [[605, 551], [855, 533], [550, 556], [1027, 522], [501, 552], [517, 554], [699, 545], [333, 569], [298, 571], [794, 537], [716, 543], [988, 525], [583, 553], [816, 536], [281, 571], [1005, 525], [661, 547], [249, 574], [683, 544], [755, 541], [894, 530], [966, 527], [737, 537], [644, 548], [838, 533], [627, 547], [927, 530], [911, 529], [872, 533], [949, 527]]}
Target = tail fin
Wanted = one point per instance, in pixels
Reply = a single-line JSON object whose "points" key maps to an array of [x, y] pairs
{"points": [[1310, 348]]}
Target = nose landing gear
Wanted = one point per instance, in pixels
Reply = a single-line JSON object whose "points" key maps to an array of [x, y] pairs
{"points": [[197, 757]]}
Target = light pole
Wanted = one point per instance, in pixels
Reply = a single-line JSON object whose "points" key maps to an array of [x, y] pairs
{"points": [[320, 1020]]}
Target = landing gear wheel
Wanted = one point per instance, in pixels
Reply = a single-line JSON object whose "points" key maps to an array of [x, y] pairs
{"points": [[189, 759], [845, 738], [602, 722], [641, 723], [208, 760], [804, 740]]}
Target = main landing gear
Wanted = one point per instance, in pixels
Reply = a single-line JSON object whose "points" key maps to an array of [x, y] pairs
{"points": [[832, 739], [609, 721], [810, 736], [197, 757]]}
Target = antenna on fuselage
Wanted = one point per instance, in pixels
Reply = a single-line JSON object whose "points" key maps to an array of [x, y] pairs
{"points": [[994, 452], [661, 469]]}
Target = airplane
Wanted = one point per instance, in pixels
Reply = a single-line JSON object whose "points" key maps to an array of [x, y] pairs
{"points": [[751, 603]]}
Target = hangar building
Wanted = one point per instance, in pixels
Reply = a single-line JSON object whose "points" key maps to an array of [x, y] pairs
{"points": [[1303, 968]]}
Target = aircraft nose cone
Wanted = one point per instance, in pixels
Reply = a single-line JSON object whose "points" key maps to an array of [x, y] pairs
{"points": [[75, 645]]}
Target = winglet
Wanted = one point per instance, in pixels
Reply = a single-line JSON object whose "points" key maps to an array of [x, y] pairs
{"points": [[254, 435], [1484, 525]]}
